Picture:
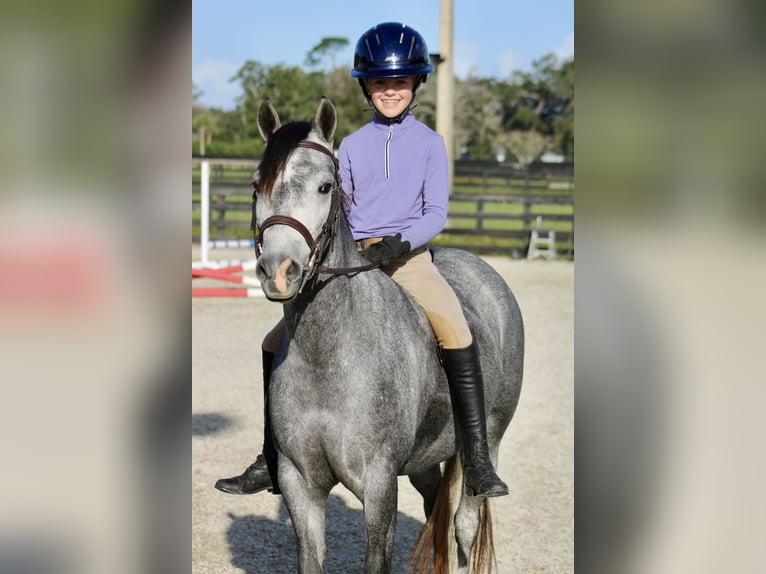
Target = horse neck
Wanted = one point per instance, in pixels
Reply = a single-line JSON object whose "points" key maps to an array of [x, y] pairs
{"points": [[342, 251]]}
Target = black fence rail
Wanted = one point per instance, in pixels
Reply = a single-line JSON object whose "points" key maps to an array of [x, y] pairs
{"points": [[493, 207]]}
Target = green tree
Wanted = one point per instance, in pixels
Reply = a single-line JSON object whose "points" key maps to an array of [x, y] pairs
{"points": [[291, 88], [563, 123], [548, 90], [346, 95], [477, 118], [425, 102], [526, 146], [327, 47], [209, 119], [487, 110]]}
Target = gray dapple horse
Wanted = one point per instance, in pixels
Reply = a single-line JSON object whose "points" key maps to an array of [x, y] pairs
{"points": [[358, 395]]}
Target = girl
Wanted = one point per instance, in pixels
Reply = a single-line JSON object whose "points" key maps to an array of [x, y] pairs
{"points": [[396, 193]]}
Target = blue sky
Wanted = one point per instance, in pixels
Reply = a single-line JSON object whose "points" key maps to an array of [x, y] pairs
{"points": [[491, 37]]}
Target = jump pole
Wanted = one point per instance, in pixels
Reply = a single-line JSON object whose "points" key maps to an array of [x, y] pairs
{"points": [[225, 292], [225, 276]]}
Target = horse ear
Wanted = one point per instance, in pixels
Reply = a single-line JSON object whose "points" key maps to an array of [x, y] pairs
{"points": [[326, 120], [268, 119]]}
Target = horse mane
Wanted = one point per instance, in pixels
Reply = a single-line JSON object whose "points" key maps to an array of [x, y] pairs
{"points": [[278, 148]]}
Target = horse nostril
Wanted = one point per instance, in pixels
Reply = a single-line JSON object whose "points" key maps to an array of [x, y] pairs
{"points": [[268, 267], [286, 271], [260, 269], [279, 272]]}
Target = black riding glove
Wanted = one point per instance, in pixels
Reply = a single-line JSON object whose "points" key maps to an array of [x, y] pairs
{"points": [[389, 249]]}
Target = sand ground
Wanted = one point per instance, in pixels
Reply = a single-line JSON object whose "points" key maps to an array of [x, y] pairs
{"points": [[534, 525]]}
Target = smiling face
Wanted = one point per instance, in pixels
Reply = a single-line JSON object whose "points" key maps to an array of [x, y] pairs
{"points": [[391, 96]]}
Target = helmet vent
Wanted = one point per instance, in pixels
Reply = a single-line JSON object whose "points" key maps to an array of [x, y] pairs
{"points": [[412, 45]]}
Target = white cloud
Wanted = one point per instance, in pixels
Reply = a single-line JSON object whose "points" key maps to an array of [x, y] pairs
{"points": [[506, 63], [212, 78], [465, 60], [566, 50]]}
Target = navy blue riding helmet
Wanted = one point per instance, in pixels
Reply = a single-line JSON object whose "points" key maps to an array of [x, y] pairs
{"points": [[391, 50]]}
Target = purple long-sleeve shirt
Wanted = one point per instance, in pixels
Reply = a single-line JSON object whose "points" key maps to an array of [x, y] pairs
{"points": [[395, 180]]}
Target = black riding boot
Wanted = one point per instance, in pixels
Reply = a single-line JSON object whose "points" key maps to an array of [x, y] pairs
{"points": [[467, 389], [262, 474]]}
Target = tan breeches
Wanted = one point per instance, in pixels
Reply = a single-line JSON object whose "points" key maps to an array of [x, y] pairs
{"points": [[421, 279]]}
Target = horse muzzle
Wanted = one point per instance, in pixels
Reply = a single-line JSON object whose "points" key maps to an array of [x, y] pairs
{"points": [[280, 277]]}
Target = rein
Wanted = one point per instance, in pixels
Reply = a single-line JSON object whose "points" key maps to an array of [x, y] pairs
{"points": [[318, 247]]}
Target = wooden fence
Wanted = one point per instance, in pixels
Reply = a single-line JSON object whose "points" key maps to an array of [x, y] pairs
{"points": [[493, 208]]}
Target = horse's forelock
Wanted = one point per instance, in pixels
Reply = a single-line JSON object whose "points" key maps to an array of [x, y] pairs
{"points": [[278, 149]]}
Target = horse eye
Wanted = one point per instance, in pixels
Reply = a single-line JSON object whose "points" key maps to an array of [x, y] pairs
{"points": [[326, 188]]}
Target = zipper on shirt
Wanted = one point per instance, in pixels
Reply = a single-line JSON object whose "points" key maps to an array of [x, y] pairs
{"points": [[388, 141]]}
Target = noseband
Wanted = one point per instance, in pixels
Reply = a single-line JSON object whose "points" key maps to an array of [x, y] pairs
{"points": [[318, 247]]}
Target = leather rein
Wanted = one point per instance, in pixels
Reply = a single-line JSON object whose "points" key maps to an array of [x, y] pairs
{"points": [[318, 247]]}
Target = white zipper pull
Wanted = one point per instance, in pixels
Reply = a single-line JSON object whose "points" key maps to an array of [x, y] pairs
{"points": [[388, 141]]}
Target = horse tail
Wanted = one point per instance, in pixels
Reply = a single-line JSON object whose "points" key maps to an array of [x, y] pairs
{"points": [[430, 555], [484, 559], [431, 552]]}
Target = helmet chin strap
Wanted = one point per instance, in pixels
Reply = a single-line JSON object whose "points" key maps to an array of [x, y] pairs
{"points": [[394, 120]]}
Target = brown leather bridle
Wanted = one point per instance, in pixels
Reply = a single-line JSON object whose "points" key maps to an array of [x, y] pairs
{"points": [[318, 247]]}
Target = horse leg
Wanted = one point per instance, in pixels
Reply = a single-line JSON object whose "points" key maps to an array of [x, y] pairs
{"points": [[306, 504], [427, 484], [380, 505], [467, 522]]}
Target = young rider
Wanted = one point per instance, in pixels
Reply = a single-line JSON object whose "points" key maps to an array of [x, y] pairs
{"points": [[396, 192]]}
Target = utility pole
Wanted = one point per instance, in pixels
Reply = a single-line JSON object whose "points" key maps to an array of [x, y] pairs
{"points": [[445, 84]]}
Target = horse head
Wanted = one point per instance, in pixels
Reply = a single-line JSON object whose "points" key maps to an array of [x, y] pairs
{"points": [[297, 196]]}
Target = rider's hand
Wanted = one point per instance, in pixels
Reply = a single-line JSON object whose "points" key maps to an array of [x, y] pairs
{"points": [[387, 250]]}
